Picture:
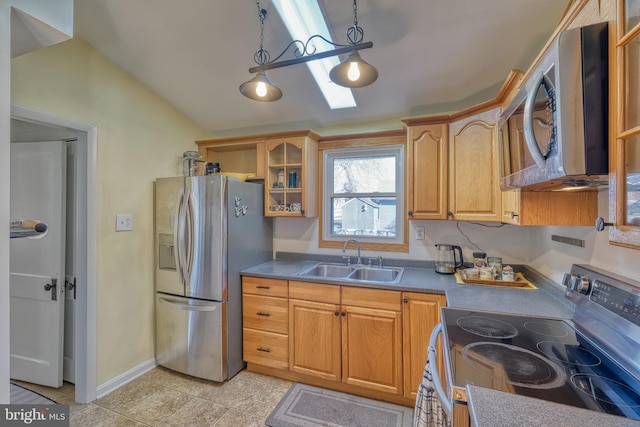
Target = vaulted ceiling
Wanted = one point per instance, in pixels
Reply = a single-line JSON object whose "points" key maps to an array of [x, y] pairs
{"points": [[432, 55]]}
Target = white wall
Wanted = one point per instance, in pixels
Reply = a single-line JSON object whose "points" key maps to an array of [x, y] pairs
{"points": [[552, 258], [508, 242], [516, 245]]}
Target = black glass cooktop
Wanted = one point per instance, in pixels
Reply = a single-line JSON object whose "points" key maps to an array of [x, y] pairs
{"points": [[536, 357]]}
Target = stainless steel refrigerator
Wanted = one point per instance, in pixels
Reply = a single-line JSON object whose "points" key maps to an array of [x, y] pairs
{"points": [[207, 229]]}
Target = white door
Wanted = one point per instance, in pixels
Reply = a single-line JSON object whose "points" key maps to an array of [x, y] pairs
{"points": [[37, 307], [69, 363]]}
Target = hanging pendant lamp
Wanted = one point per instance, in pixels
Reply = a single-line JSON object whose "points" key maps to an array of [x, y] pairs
{"points": [[261, 88], [353, 72]]}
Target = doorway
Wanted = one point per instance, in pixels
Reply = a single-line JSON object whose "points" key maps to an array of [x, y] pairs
{"points": [[35, 125]]}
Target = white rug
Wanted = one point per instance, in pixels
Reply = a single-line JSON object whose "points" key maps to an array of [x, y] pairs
{"points": [[22, 396], [308, 406]]}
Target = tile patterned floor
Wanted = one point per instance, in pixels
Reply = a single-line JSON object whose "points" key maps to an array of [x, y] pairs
{"points": [[163, 397]]}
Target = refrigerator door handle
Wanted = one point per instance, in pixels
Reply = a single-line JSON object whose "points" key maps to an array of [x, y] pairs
{"points": [[187, 307], [180, 239], [190, 237]]}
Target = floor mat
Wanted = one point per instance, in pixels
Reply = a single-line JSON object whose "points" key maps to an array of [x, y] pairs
{"points": [[22, 396], [308, 406]]}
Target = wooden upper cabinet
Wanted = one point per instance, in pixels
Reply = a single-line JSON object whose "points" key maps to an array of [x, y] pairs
{"points": [[291, 175], [624, 178], [549, 208], [427, 169], [474, 190], [239, 154]]}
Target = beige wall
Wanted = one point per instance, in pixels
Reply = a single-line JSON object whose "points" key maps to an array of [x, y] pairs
{"points": [[140, 137]]}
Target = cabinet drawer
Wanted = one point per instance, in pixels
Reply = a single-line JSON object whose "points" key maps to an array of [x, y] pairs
{"points": [[265, 313], [314, 292], [266, 348], [267, 287], [372, 298]]}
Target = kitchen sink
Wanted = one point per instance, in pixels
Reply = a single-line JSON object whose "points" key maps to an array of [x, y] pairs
{"points": [[328, 270], [368, 274], [355, 273]]}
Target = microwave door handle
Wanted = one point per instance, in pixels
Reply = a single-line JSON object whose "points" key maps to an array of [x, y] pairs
{"points": [[446, 403], [529, 110]]}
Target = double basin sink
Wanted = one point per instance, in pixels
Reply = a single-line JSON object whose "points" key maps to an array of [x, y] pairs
{"points": [[355, 273]]}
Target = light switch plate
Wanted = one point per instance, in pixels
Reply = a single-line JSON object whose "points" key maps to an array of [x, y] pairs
{"points": [[419, 232], [124, 222]]}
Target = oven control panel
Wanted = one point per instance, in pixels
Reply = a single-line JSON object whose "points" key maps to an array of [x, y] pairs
{"points": [[619, 301]]}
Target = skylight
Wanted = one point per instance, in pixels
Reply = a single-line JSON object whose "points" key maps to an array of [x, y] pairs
{"points": [[304, 19]]}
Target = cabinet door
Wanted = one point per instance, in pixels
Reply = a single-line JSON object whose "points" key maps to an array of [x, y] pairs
{"points": [[291, 181], [624, 185], [511, 207], [421, 313], [427, 177], [314, 339], [372, 349], [474, 187]]}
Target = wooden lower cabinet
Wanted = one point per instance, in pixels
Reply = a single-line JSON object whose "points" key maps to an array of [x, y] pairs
{"points": [[265, 322], [358, 344], [372, 348], [314, 347], [365, 341], [421, 313]]}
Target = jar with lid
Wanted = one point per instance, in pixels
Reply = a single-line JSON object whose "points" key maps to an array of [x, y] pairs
{"points": [[190, 160], [479, 260]]}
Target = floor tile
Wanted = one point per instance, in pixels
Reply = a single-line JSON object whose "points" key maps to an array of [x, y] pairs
{"points": [[162, 397], [93, 415]]}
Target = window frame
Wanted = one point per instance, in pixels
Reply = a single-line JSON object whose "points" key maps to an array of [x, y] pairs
{"points": [[395, 144]]}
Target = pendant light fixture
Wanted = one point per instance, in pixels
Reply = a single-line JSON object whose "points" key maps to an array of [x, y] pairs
{"points": [[261, 88], [353, 72]]}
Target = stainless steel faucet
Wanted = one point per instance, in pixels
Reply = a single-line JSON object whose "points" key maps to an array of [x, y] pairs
{"points": [[344, 248]]}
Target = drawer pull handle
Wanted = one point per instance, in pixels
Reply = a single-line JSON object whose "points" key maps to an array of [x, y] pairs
{"points": [[262, 287], [263, 314], [266, 350]]}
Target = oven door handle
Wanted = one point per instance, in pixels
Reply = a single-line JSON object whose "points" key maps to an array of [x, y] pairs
{"points": [[444, 400]]}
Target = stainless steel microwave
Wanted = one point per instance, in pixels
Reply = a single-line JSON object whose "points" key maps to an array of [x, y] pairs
{"points": [[553, 134]]}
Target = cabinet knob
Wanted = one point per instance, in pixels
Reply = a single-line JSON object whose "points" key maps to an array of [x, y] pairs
{"points": [[301, 211], [410, 213], [405, 300], [343, 314], [337, 313], [600, 224], [449, 214]]}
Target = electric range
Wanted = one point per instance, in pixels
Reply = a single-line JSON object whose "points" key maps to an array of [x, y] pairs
{"points": [[591, 361]]}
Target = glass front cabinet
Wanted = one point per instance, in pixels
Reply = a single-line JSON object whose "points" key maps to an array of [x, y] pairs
{"points": [[624, 184], [291, 175]]}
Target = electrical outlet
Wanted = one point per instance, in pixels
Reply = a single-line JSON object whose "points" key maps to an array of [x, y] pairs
{"points": [[124, 222], [419, 233]]}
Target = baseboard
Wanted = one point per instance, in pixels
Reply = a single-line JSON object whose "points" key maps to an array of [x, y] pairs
{"points": [[124, 378]]}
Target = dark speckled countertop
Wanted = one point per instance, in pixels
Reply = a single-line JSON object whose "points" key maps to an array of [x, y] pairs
{"points": [[487, 408]]}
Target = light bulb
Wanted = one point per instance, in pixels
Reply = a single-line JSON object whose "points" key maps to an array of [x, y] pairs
{"points": [[261, 89], [354, 72]]}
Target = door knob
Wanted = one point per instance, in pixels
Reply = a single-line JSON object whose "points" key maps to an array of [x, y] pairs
{"points": [[53, 287]]}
